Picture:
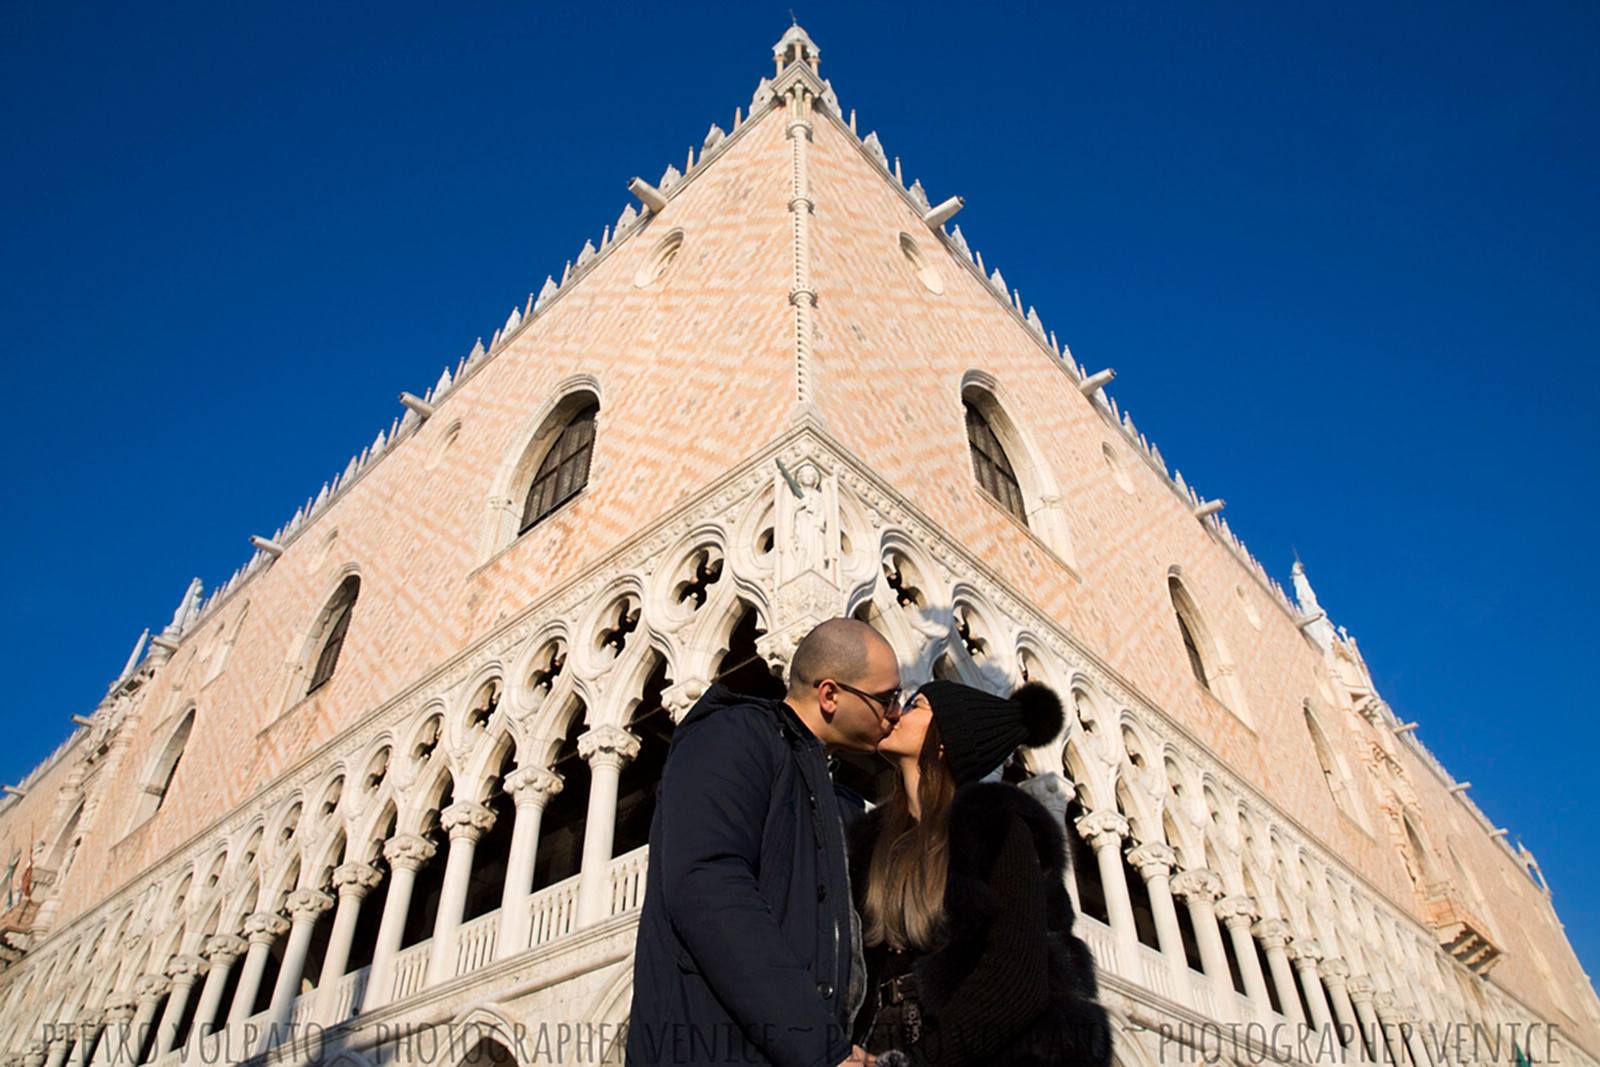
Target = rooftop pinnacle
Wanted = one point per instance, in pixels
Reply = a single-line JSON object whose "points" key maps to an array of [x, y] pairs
{"points": [[795, 46]]}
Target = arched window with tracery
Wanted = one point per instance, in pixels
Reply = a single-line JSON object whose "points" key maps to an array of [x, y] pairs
{"points": [[564, 471], [158, 779], [990, 464], [335, 624]]}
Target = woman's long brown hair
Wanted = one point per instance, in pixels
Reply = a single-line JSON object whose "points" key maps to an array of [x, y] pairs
{"points": [[904, 902]]}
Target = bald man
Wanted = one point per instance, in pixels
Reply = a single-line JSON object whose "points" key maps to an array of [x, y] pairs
{"points": [[748, 948]]}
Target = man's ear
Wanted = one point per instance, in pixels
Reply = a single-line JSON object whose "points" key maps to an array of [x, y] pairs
{"points": [[827, 699]]}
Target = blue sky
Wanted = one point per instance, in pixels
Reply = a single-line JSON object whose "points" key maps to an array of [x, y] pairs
{"points": [[1344, 261]]}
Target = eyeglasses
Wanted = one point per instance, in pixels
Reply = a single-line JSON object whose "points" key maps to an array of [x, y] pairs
{"points": [[889, 698]]}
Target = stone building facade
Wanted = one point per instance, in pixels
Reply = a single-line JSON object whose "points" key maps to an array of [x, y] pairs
{"points": [[396, 772]]}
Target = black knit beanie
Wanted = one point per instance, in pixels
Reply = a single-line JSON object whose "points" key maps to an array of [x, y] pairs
{"points": [[981, 730]]}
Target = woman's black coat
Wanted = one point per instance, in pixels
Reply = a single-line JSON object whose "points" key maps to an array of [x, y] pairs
{"points": [[1009, 983]]}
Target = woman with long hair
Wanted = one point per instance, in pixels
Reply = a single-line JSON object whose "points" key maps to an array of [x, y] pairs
{"points": [[959, 880]]}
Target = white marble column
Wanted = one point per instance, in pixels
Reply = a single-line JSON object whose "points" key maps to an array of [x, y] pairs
{"points": [[1104, 830], [220, 953], [466, 821], [1153, 860], [1361, 992], [147, 991], [1392, 1021], [184, 971], [119, 1012], [351, 882], [261, 931], [1274, 937], [1335, 975], [531, 789], [1238, 914], [607, 749], [1304, 954], [93, 1033], [58, 1049], [304, 906], [1200, 889], [406, 853]]}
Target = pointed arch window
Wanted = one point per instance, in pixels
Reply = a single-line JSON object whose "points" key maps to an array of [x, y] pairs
{"points": [[335, 627], [1187, 626], [990, 464], [564, 471]]}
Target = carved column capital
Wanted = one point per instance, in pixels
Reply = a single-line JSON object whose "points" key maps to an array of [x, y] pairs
{"points": [[148, 988], [679, 697], [1236, 911], [304, 905], [1387, 1007], [1305, 951], [1103, 829], [265, 926], [1334, 969], [355, 879], [608, 746], [1362, 989], [533, 785], [466, 819], [224, 949], [185, 969], [408, 851], [1272, 933], [120, 1008], [1153, 859], [1198, 883]]}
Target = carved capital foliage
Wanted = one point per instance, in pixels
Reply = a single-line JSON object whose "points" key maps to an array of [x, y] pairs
{"points": [[608, 746], [355, 879], [224, 948], [1272, 933], [185, 968], [1103, 829], [304, 905], [679, 697], [120, 1008], [408, 851], [466, 819], [1200, 883], [1334, 969], [149, 987], [1153, 859], [533, 785], [1305, 951], [265, 926], [1237, 910]]}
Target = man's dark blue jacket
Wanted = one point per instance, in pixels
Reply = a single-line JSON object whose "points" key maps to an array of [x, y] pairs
{"points": [[744, 940]]}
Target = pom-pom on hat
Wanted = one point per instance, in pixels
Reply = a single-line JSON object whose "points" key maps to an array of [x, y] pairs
{"points": [[980, 730]]}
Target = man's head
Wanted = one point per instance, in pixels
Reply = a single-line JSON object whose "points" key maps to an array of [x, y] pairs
{"points": [[844, 682]]}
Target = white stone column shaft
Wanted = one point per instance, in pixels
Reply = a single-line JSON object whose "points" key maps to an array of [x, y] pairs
{"points": [[221, 952], [1153, 860], [185, 972], [1200, 889], [261, 930], [531, 788], [1238, 913], [406, 853], [606, 748], [351, 881], [303, 906], [466, 821], [1104, 830]]}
